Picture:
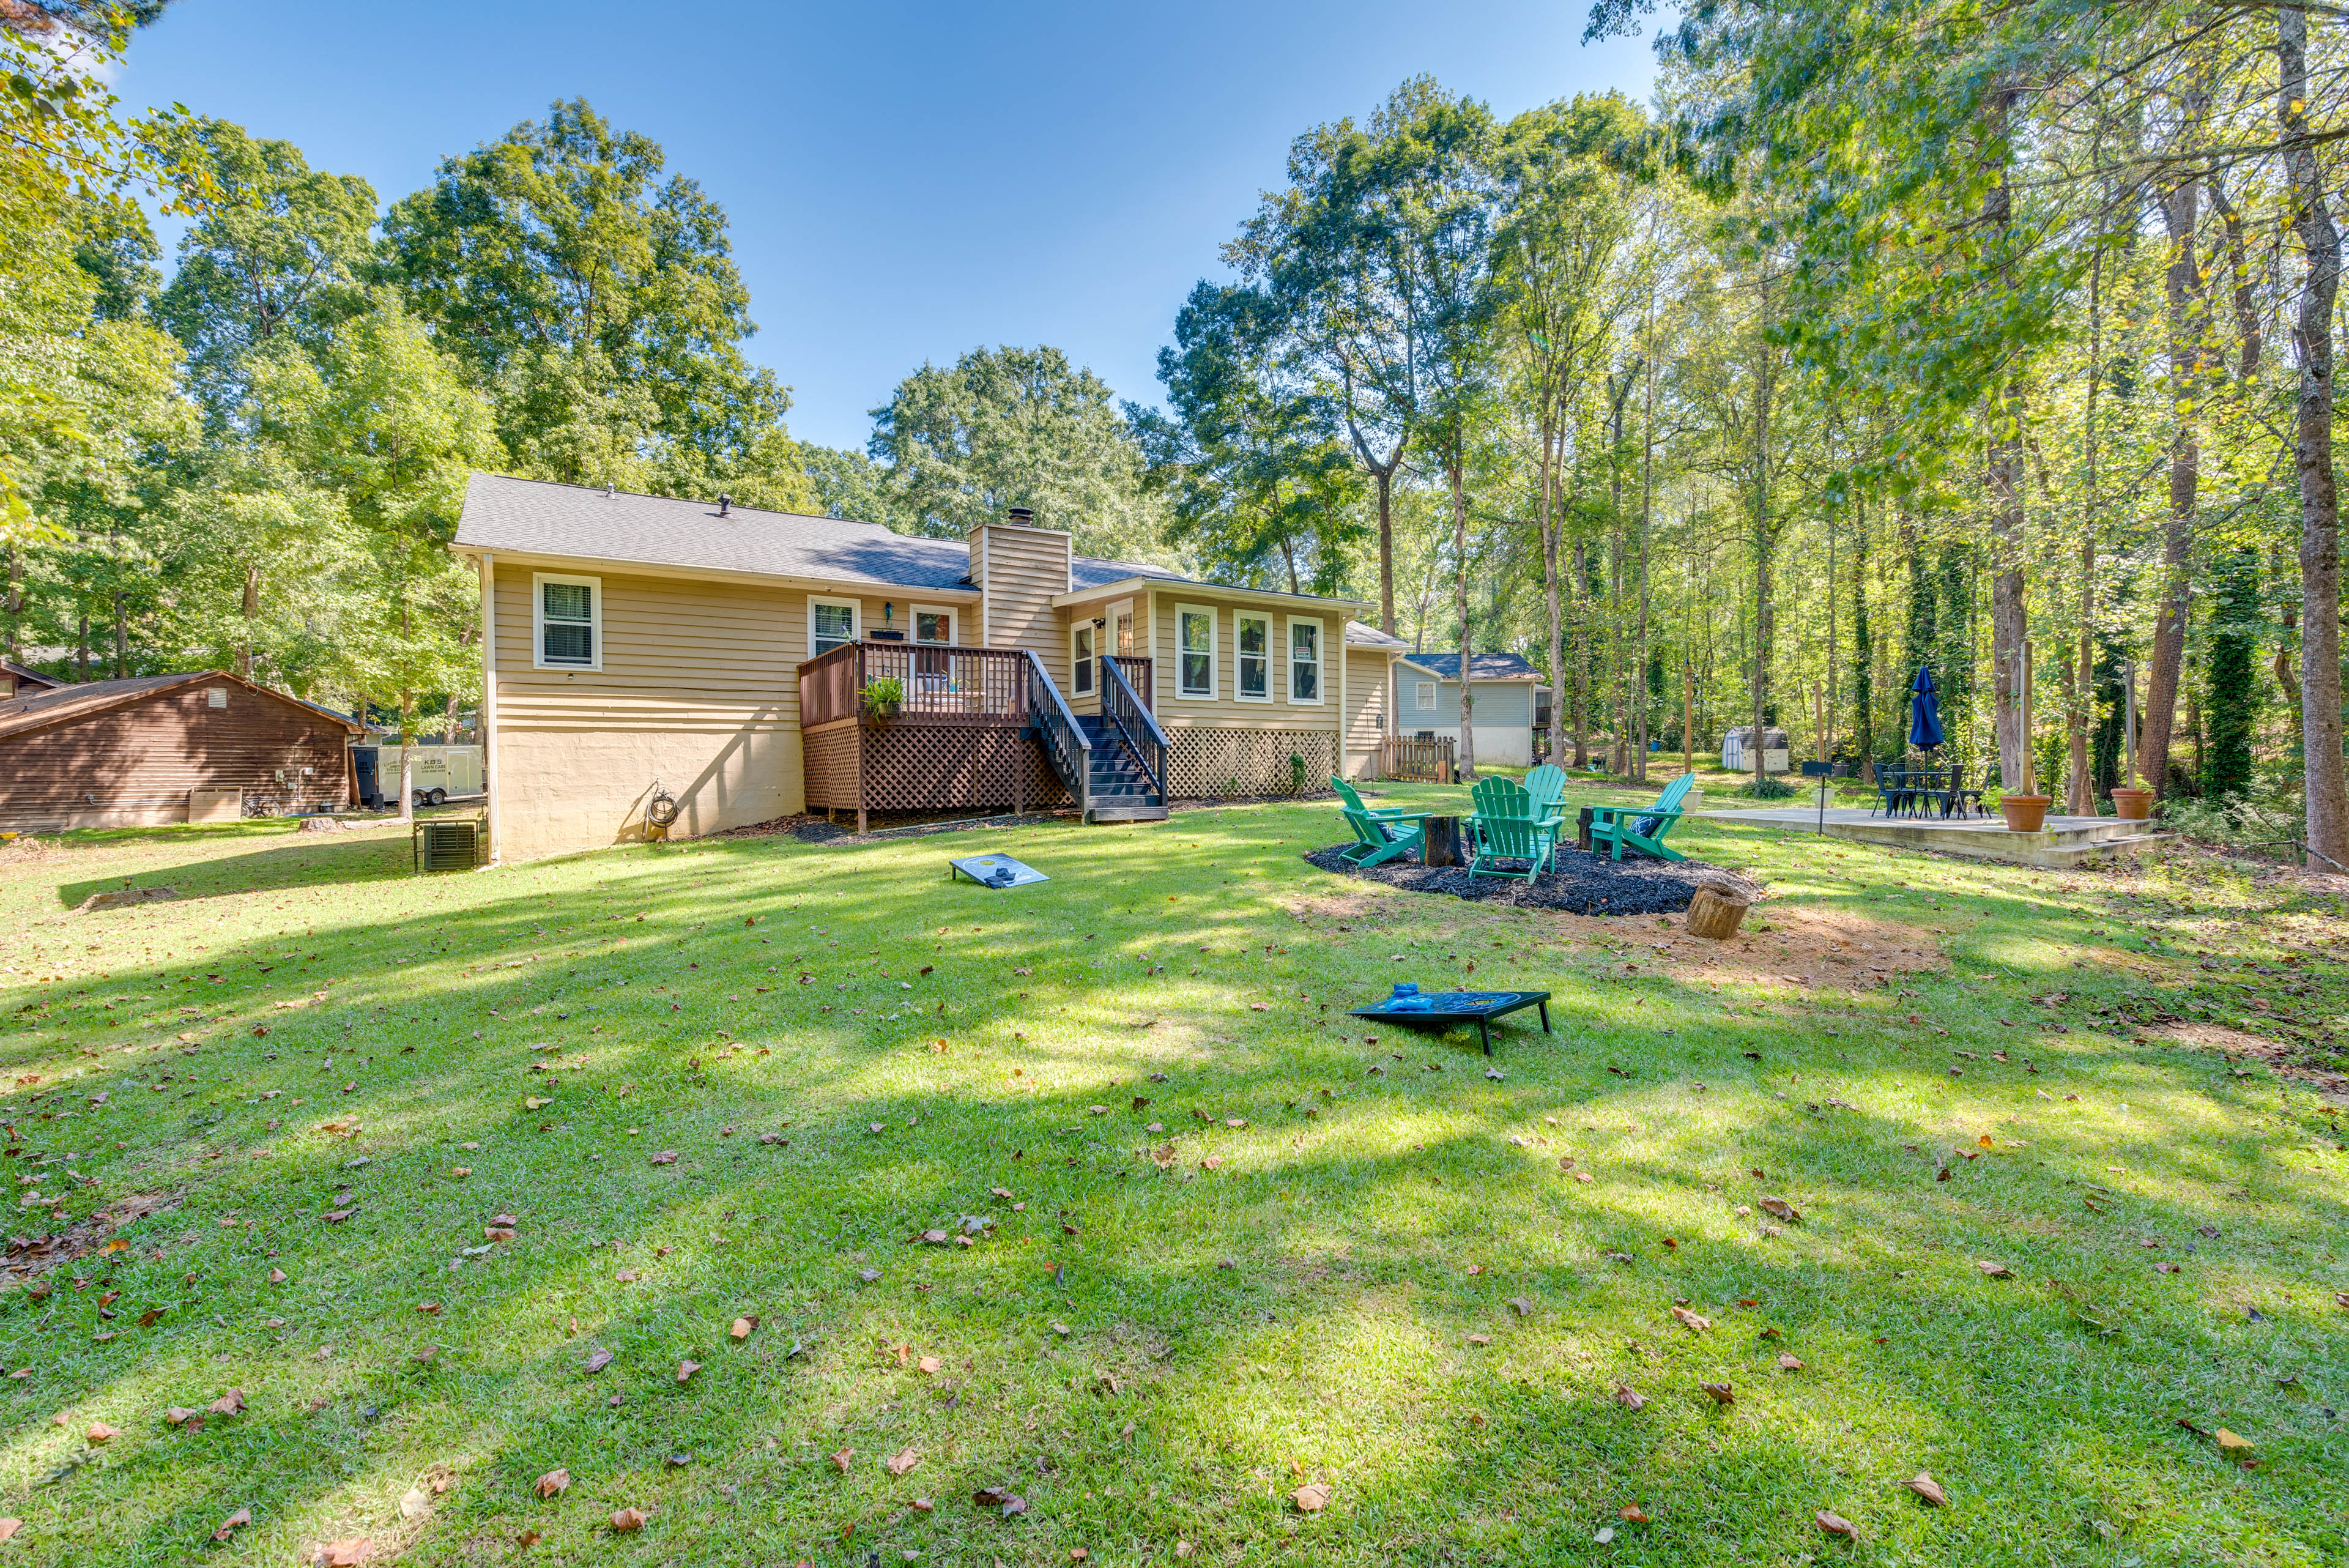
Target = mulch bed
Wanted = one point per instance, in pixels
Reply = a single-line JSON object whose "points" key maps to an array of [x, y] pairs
{"points": [[1581, 883]]}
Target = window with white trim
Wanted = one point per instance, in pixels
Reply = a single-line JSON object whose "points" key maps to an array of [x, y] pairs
{"points": [[1423, 696], [1304, 661], [1194, 651], [831, 623], [567, 615], [1081, 657], [933, 624], [1252, 656]]}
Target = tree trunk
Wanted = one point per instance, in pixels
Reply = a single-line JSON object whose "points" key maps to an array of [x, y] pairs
{"points": [[122, 639], [1549, 591], [81, 644], [2319, 507], [1467, 770], [1863, 669], [2180, 211], [2082, 678], [252, 612], [2009, 622], [1581, 662], [14, 602]]}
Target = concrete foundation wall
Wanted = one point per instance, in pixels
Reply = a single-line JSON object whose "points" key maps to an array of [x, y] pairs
{"points": [[587, 788]]}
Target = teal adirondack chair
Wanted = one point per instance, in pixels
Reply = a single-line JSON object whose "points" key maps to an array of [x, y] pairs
{"points": [[1507, 827], [1380, 834], [1641, 827], [1547, 785]]}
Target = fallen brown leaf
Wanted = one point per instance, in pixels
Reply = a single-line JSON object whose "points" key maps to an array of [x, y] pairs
{"points": [[598, 1360], [1697, 1323], [686, 1369], [1781, 1208], [554, 1482], [927, 1365], [1837, 1524], [347, 1553], [229, 1404], [1629, 1398], [1632, 1513], [627, 1520], [1995, 1270], [743, 1327], [8, 1528], [840, 1460], [666, 1157], [243, 1516], [1926, 1487], [1311, 1498], [528, 1538], [1721, 1392], [1788, 1362], [176, 1414], [1522, 1307], [100, 1433], [2225, 1439], [904, 1460], [276, 1276]]}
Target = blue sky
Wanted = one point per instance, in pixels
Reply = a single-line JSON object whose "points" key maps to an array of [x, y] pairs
{"points": [[905, 181]]}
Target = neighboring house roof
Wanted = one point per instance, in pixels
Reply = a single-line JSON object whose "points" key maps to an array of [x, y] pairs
{"points": [[1360, 634], [1481, 667], [538, 517], [34, 676], [67, 703]]}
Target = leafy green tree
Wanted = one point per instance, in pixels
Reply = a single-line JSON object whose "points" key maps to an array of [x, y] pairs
{"points": [[599, 305], [1015, 427], [1257, 482], [278, 253]]}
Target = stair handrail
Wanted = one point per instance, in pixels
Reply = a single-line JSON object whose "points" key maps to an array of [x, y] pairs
{"points": [[1064, 738], [1124, 708]]}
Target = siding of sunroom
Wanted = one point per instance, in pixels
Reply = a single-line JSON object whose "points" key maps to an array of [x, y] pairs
{"points": [[1226, 709], [1367, 702]]}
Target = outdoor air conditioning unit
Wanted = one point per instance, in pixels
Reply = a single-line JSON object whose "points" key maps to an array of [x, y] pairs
{"points": [[448, 844]]}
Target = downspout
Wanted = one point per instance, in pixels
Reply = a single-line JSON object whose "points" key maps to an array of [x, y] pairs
{"points": [[490, 700]]}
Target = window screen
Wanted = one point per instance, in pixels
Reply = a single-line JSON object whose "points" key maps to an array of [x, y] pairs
{"points": [[1198, 649], [1254, 638], [567, 623], [834, 624], [1304, 662]]}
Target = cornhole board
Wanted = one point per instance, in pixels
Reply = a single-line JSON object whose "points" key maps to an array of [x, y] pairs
{"points": [[979, 869], [1446, 1008]]}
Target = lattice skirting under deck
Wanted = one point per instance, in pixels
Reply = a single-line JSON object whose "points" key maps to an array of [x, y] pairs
{"points": [[919, 767], [1204, 762]]}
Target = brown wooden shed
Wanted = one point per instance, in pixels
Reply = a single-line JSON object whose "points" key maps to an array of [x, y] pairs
{"points": [[117, 754]]}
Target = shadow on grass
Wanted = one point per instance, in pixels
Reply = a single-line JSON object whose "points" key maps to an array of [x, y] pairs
{"points": [[1338, 1347]]}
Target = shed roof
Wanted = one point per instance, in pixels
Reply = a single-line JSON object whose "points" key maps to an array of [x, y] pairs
{"points": [[22, 673], [65, 704]]}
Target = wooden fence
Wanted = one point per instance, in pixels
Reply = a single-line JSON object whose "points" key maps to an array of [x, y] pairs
{"points": [[1427, 762]]}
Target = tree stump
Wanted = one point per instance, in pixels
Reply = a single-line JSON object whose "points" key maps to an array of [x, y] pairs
{"points": [[1439, 843], [1717, 910]]}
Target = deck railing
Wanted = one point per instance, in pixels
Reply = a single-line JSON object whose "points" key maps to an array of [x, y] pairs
{"points": [[1430, 762], [939, 685], [1136, 670], [1130, 717], [1063, 738]]}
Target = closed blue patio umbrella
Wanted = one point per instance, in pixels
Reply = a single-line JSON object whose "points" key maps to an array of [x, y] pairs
{"points": [[1924, 712]]}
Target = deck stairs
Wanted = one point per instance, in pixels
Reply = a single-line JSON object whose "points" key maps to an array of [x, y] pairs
{"points": [[1120, 790]]}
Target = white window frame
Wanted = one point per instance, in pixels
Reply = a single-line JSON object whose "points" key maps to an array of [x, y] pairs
{"points": [[1423, 696], [1320, 660], [918, 612], [1239, 659], [855, 609], [215, 696], [1182, 692], [1089, 661], [595, 586]]}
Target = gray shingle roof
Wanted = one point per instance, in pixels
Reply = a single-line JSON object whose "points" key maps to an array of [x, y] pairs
{"points": [[538, 517], [1483, 666], [1360, 634]]}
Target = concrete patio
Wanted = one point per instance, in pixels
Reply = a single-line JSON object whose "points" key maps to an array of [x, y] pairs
{"points": [[2064, 842]]}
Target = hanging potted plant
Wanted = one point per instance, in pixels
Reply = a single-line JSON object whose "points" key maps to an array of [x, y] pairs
{"points": [[883, 698]]}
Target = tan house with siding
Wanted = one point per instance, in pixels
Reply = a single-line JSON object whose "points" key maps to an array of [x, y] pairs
{"points": [[754, 664]]}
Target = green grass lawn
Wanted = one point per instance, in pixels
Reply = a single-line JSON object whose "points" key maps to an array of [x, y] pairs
{"points": [[741, 1080]]}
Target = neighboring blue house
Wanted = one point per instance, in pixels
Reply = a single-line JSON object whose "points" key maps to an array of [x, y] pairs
{"points": [[1501, 687]]}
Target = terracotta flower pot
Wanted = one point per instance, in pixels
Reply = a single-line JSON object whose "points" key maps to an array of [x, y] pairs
{"points": [[2133, 804], [2025, 813]]}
